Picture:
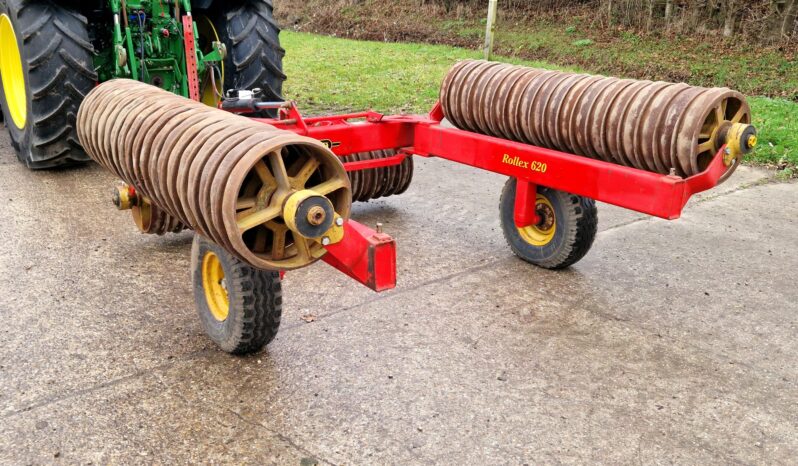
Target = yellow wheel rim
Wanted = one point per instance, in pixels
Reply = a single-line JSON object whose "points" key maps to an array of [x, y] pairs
{"points": [[215, 286], [542, 233], [12, 74], [206, 30]]}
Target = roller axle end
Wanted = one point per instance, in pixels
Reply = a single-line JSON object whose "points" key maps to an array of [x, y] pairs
{"points": [[309, 214], [740, 140], [124, 197]]}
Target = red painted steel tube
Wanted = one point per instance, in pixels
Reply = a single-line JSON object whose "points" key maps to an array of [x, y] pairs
{"points": [[374, 163], [650, 193], [346, 138], [525, 204], [374, 170]]}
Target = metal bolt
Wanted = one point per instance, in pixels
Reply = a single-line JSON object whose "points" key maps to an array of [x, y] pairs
{"points": [[379, 228], [316, 215], [339, 221], [325, 241]]}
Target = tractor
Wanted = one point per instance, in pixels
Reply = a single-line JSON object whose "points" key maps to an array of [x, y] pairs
{"points": [[53, 52]]}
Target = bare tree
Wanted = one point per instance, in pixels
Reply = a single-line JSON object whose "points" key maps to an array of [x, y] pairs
{"points": [[730, 18]]}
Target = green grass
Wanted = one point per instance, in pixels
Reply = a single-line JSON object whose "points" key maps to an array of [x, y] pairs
{"points": [[328, 74], [331, 74], [777, 122]]}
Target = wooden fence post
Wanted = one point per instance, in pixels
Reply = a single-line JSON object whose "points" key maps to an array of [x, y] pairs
{"points": [[493, 6]]}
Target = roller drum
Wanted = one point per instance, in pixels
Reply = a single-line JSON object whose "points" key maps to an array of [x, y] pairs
{"points": [[225, 176], [153, 221], [375, 183], [655, 126]]}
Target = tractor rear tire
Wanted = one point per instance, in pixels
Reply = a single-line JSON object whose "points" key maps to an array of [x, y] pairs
{"points": [[254, 55], [40, 98]]}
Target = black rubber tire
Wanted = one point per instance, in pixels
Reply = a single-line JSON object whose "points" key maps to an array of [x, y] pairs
{"points": [[577, 225], [254, 55], [255, 296], [58, 68]]}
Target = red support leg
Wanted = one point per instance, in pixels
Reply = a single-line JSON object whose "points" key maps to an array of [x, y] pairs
{"points": [[525, 204]]}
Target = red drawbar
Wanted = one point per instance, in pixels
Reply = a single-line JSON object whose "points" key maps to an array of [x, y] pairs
{"points": [[365, 255]]}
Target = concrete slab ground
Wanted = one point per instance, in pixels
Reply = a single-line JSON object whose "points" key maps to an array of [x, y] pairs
{"points": [[671, 342]]}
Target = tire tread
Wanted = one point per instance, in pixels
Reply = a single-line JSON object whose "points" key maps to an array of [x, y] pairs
{"points": [[255, 304], [254, 52], [580, 225], [58, 56]]}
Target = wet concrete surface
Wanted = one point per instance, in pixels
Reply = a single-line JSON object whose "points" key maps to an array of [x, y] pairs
{"points": [[671, 342]]}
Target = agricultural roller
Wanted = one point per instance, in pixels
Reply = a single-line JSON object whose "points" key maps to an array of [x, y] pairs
{"points": [[656, 126], [219, 53], [269, 195]]}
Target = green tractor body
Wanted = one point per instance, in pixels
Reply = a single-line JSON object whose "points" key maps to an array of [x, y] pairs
{"points": [[53, 52], [148, 43]]}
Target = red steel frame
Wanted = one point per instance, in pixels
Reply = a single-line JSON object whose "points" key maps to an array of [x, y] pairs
{"points": [[658, 195]]}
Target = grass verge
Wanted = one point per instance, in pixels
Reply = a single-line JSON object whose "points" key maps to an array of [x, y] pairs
{"points": [[328, 74]]}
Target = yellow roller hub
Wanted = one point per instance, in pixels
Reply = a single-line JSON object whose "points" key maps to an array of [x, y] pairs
{"points": [[12, 74], [215, 287], [542, 233]]}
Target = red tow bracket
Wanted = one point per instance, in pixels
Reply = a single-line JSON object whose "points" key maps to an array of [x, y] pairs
{"points": [[366, 255]]}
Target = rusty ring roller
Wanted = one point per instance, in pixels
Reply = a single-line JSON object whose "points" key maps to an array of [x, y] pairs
{"points": [[154, 221], [225, 176], [375, 183], [653, 126]]}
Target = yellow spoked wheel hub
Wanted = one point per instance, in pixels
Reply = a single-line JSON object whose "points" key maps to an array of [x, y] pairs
{"points": [[542, 233], [11, 72], [215, 286]]}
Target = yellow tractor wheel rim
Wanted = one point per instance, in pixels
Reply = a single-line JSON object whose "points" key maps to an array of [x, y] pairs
{"points": [[543, 233], [215, 286], [11, 72]]}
